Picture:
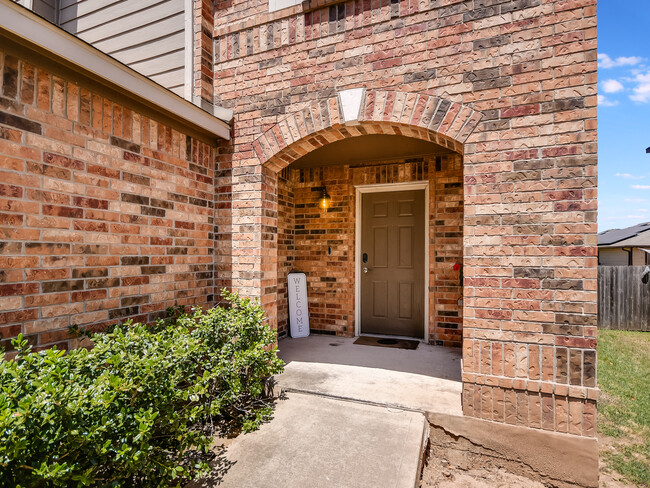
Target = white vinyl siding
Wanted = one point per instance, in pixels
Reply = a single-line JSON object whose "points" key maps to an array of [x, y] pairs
{"points": [[45, 8], [147, 35]]}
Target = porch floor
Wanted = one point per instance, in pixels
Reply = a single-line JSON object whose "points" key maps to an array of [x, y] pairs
{"points": [[427, 379]]}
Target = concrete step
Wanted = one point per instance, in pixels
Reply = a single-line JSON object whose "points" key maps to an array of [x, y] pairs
{"points": [[426, 379]]}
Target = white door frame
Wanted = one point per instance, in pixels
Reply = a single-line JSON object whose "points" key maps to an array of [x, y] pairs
{"points": [[389, 187]]}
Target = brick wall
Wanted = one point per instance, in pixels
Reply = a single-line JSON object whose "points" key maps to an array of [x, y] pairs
{"points": [[286, 244], [510, 85], [105, 213], [331, 277]]}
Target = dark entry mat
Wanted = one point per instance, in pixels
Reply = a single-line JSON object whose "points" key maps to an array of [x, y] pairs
{"points": [[385, 342]]}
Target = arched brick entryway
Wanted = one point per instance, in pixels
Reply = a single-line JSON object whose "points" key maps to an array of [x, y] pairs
{"points": [[317, 124]]}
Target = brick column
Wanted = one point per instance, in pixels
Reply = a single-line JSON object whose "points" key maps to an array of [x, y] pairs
{"points": [[223, 217], [253, 244], [203, 90], [269, 244], [529, 346]]}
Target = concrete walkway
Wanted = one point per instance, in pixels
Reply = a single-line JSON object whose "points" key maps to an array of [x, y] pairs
{"points": [[339, 427], [427, 379], [318, 442], [350, 418]]}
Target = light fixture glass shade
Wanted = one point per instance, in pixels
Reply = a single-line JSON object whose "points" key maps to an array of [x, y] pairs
{"points": [[325, 200]]}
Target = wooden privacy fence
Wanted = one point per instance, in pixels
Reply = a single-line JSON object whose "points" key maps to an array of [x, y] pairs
{"points": [[623, 299]]}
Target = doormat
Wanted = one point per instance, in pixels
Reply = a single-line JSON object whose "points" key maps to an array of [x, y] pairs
{"points": [[385, 342]]}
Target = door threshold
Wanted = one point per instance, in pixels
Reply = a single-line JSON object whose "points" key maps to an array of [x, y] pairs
{"points": [[388, 336]]}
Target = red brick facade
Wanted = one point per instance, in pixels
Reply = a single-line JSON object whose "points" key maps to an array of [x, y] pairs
{"points": [[509, 85], [105, 213]]}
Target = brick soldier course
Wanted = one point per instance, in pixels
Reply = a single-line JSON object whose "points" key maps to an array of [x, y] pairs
{"points": [[108, 212]]}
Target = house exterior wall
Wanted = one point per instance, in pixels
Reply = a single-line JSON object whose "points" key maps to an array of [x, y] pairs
{"points": [[613, 257], [331, 277], [150, 36], [639, 257], [527, 70], [105, 213], [621, 257], [45, 8]]}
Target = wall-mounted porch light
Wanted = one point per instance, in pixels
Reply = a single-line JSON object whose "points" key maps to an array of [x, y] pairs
{"points": [[325, 200]]}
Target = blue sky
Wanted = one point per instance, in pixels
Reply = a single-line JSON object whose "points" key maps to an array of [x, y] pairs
{"points": [[623, 113]]}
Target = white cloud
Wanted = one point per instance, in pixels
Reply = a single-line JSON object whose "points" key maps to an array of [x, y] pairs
{"points": [[604, 61], [612, 86], [604, 102], [642, 89], [628, 176], [641, 187], [618, 217], [635, 200]]}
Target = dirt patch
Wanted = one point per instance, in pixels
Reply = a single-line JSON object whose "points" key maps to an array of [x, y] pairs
{"points": [[441, 472], [612, 480], [453, 460]]}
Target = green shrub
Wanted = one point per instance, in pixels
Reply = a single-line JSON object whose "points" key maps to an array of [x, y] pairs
{"points": [[136, 408]]}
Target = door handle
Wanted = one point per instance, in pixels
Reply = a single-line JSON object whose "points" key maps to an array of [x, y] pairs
{"points": [[365, 269]]}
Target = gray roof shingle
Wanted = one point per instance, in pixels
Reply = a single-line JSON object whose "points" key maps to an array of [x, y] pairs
{"points": [[615, 236]]}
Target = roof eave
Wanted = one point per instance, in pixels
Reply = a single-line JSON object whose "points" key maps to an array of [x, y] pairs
{"points": [[24, 24]]}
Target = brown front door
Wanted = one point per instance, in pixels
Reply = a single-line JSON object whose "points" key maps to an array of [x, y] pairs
{"points": [[392, 263]]}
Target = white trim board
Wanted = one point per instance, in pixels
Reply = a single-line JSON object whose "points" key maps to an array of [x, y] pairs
{"points": [[382, 188], [26, 25], [275, 5], [189, 50]]}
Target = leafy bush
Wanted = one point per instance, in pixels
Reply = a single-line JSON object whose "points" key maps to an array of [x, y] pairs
{"points": [[136, 408]]}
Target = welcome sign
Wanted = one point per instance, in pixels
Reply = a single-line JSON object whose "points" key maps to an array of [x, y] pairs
{"points": [[298, 305]]}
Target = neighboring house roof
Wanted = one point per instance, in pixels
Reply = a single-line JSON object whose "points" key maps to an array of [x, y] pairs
{"points": [[32, 29], [635, 236]]}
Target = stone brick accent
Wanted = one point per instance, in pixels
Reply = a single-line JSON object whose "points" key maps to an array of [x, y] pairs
{"points": [[529, 166], [106, 214]]}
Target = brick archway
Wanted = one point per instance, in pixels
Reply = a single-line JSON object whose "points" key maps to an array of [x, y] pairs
{"points": [[318, 123], [421, 116]]}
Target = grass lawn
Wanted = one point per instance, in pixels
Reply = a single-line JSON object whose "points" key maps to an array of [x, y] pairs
{"points": [[624, 406]]}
